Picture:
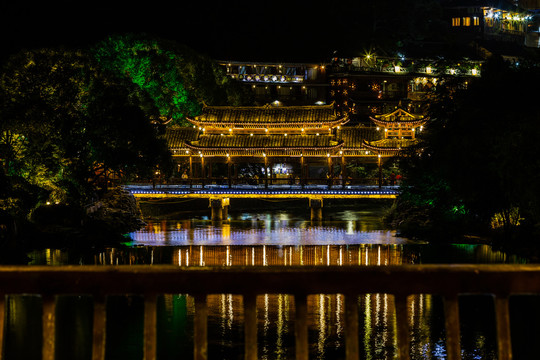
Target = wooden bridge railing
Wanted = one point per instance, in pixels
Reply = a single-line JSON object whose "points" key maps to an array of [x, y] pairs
{"points": [[449, 281], [223, 181]]}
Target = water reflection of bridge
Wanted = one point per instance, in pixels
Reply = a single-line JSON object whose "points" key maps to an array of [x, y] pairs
{"points": [[260, 255], [219, 197]]}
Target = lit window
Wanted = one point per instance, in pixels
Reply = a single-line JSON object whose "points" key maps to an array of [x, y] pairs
{"points": [[476, 21], [466, 21], [456, 21]]}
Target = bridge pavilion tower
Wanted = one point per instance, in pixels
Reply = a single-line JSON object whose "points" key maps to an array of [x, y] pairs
{"points": [[399, 129], [305, 136]]}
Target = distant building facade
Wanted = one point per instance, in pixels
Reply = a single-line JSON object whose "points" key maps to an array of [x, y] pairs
{"points": [[288, 83], [370, 85], [358, 86], [516, 23]]}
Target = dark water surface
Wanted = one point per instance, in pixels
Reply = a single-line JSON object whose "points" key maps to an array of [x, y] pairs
{"points": [[278, 237]]}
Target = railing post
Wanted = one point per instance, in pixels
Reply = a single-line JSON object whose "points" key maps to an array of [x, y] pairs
{"points": [[504, 343], [351, 327], [451, 322], [200, 336], [301, 327], [250, 326], [99, 328], [2, 323], [48, 327], [402, 318], [150, 326]]}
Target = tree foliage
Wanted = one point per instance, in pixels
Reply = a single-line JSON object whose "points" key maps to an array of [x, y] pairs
{"points": [[177, 79], [479, 159], [64, 121]]}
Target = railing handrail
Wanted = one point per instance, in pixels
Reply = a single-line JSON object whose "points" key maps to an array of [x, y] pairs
{"points": [[300, 281], [392, 279]]}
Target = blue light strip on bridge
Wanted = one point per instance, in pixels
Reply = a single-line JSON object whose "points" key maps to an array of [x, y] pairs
{"points": [[265, 192]]}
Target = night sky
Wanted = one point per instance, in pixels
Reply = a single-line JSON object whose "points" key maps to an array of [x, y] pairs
{"points": [[233, 30]]}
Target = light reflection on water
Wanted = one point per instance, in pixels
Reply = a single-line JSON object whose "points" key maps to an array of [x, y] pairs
{"points": [[282, 239], [258, 232]]}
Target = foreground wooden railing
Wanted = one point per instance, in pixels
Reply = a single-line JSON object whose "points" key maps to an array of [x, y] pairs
{"points": [[446, 280]]}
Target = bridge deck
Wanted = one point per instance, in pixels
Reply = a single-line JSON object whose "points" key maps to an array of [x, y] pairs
{"points": [[275, 191]]}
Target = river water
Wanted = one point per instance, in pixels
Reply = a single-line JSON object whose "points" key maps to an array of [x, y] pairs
{"points": [[352, 236]]}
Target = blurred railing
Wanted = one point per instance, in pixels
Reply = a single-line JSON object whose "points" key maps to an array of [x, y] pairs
{"points": [[449, 281], [335, 182]]}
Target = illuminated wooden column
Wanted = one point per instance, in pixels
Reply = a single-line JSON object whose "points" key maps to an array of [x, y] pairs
{"points": [[190, 170], [229, 172], [271, 172], [265, 171], [302, 173], [330, 171], [202, 171], [316, 204], [343, 171], [379, 163]]}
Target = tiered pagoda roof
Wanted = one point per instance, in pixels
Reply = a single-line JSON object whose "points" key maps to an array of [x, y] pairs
{"points": [[389, 147], [399, 116], [289, 131], [251, 145], [268, 117], [399, 127]]}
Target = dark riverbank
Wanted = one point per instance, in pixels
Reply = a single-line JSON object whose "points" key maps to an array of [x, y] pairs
{"points": [[185, 208], [437, 227], [61, 226]]}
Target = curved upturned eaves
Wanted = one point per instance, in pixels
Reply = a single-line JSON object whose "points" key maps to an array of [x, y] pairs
{"points": [[267, 116], [246, 142]]}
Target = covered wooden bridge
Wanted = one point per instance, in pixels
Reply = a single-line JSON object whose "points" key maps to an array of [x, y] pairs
{"points": [[284, 145]]}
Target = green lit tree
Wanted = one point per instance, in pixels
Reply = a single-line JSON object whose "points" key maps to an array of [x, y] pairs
{"points": [[175, 77], [65, 124]]}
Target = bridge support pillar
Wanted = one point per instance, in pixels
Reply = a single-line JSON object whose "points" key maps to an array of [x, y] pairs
{"points": [[316, 204], [219, 208]]}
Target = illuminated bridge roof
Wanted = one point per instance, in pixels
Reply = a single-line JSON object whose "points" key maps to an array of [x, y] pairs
{"points": [[389, 147], [270, 144], [353, 137], [399, 116], [353, 141], [176, 136], [267, 116]]}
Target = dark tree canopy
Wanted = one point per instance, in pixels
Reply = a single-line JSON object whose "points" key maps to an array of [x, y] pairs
{"points": [[479, 161], [64, 122]]}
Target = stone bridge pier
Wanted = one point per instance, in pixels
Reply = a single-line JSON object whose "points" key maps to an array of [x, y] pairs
{"points": [[219, 208], [316, 204]]}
